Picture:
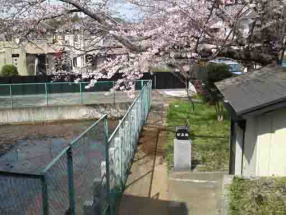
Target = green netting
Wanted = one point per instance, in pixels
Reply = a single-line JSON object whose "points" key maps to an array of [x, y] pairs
{"points": [[5, 97], [20, 194], [60, 93], [64, 87], [27, 89], [4, 90], [63, 93], [99, 92]]}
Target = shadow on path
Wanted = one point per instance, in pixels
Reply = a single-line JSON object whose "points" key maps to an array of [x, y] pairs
{"points": [[152, 206]]}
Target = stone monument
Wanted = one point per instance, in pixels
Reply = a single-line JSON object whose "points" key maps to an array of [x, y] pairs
{"points": [[182, 149]]}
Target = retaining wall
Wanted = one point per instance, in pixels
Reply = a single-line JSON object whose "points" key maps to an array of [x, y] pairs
{"points": [[59, 113]]}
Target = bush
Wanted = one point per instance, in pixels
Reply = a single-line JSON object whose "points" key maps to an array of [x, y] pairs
{"points": [[9, 70], [215, 72]]}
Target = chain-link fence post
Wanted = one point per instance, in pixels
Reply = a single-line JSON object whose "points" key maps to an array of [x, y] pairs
{"points": [[45, 197], [108, 193], [47, 96], [11, 96], [71, 181], [81, 93], [113, 84]]}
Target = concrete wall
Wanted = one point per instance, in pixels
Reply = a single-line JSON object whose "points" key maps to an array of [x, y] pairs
{"points": [[265, 145], [58, 113]]}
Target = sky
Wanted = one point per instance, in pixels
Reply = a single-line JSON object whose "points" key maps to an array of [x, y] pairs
{"points": [[126, 10], [122, 9]]}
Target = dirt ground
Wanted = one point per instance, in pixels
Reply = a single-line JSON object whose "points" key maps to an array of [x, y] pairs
{"points": [[10, 135], [153, 190], [146, 188]]}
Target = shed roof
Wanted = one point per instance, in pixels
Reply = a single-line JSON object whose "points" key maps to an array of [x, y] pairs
{"points": [[255, 90]]}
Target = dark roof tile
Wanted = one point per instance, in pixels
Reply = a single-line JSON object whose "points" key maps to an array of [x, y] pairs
{"points": [[254, 90]]}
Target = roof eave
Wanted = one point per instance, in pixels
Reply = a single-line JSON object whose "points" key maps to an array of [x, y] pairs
{"points": [[263, 109]]}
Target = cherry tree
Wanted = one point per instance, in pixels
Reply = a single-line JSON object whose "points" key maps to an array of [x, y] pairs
{"points": [[179, 33]]}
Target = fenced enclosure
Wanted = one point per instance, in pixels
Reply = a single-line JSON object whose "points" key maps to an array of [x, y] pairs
{"points": [[59, 93], [160, 80], [87, 176]]}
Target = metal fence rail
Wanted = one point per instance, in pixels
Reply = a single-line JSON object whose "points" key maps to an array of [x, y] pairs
{"points": [[87, 177], [56, 93]]}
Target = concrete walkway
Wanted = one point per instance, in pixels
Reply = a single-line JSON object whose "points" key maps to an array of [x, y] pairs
{"points": [[201, 192], [152, 190]]}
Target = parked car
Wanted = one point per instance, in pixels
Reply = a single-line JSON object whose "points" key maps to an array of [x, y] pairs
{"points": [[234, 66], [284, 63]]}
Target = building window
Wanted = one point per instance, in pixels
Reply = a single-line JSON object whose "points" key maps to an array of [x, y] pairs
{"points": [[15, 58], [74, 62]]}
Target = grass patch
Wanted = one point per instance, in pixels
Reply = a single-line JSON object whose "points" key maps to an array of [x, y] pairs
{"points": [[210, 149], [259, 196]]}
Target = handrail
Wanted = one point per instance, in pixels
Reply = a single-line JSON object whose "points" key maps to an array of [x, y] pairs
{"points": [[88, 129], [51, 82], [53, 162], [64, 151], [17, 174]]}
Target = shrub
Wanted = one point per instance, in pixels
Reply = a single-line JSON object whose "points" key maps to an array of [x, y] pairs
{"points": [[217, 72], [9, 70]]}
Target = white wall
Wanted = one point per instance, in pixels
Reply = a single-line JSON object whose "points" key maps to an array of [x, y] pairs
{"points": [[265, 145], [6, 51], [238, 149], [249, 156], [272, 145]]}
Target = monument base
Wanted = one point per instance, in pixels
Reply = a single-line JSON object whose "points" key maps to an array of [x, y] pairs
{"points": [[182, 155]]}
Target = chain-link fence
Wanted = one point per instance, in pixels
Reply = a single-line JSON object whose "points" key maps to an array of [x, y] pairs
{"points": [[59, 93], [21, 194], [86, 177], [123, 141], [89, 169]]}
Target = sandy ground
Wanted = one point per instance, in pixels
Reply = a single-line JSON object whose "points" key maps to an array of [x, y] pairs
{"points": [[152, 190]]}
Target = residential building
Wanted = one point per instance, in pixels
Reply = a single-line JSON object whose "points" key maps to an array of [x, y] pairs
{"points": [[10, 53], [30, 58]]}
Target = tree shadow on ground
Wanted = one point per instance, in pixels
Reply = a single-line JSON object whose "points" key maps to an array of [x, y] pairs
{"points": [[151, 206]]}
